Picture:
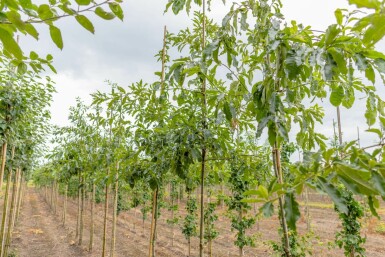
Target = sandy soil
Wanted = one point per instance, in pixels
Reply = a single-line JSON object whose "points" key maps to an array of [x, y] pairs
{"points": [[40, 233]]}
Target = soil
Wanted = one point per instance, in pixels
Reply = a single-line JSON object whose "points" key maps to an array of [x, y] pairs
{"points": [[41, 233]]}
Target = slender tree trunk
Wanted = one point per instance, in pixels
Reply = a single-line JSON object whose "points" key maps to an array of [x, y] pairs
{"points": [[105, 219], [56, 196], [278, 173], [204, 125], [11, 214], [81, 223], [5, 212], [240, 217], [51, 196], [307, 209], [3, 160], [92, 217], [20, 195], [78, 213], [65, 204], [151, 252], [115, 210], [172, 212], [189, 247], [17, 181]]}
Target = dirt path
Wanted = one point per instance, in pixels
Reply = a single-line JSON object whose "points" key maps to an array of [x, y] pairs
{"points": [[39, 233]]}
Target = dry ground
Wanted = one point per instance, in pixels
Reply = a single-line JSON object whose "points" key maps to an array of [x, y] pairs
{"points": [[40, 233]]}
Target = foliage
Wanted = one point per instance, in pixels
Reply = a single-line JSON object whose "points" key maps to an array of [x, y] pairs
{"points": [[300, 246], [25, 16], [190, 221], [349, 237]]}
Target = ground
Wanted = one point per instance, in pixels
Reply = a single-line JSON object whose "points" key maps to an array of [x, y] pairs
{"points": [[40, 233]]}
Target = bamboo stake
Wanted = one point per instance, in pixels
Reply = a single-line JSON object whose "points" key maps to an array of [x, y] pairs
{"points": [[5, 207], [204, 123], [81, 223], [65, 204], [78, 213], [151, 251], [20, 195], [278, 173], [3, 159], [11, 214], [105, 218], [92, 218], [114, 215]]}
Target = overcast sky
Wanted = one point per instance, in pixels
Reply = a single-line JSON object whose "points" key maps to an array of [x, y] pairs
{"points": [[123, 52]]}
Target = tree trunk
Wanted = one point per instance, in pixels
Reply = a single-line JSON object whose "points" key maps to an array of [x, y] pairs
{"points": [[105, 219], [240, 217], [92, 217], [201, 222], [151, 252], [81, 223], [307, 209], [204, 125], [78, 213], [65, 204], [19, 196], [3, 160], [5, 212], [278, 173], [172, 213], [11, 214], [115, 209], [56, 195]]}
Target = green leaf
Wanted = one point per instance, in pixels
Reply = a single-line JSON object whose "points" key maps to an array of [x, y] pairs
{"points": [[371, 4], [370, 75], [378, 182], [292, 213], [373, 204], [337, 95], [22, 68], [292, 64], [10, 44], [33, 55], [227, 111], [85, 22], [178, 5], [380, 64], [361, 62], [30, 29], [267, 209], [226, 19], [339, 16], [334, 194], [331, 33], [103, 14], [371, 112], [117, 10], [12, 4], [356, 177], [339, 58], [45, 12], [56, 36], [376, 131], [83, 2], [376, 31], [26, 4], [14, 18], [330, 66]]}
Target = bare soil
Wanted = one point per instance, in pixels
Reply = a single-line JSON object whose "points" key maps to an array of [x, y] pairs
{"points": [[40, 233]]}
